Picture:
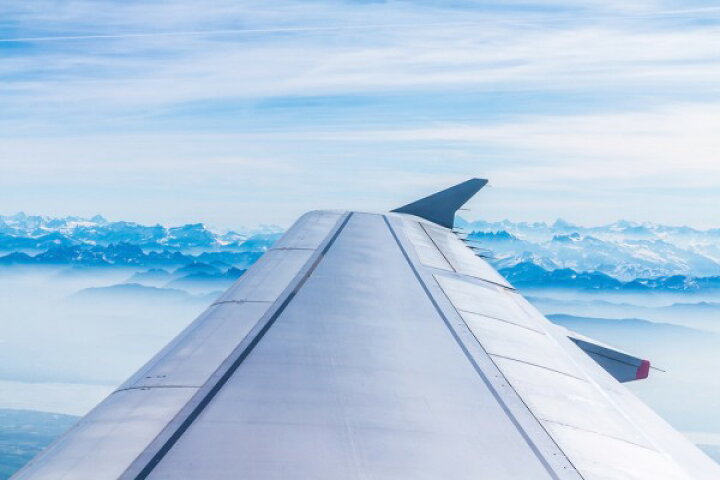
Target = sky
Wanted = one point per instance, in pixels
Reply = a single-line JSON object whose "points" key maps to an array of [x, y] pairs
{"points": [[240, 113]]}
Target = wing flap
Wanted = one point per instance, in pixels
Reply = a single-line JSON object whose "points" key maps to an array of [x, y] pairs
{"points": [[600, 457], [438, 247], [196, 356], [576, 401]]}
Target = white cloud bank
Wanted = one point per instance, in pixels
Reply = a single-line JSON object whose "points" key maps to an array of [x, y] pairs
{"points": [[149, 119]]}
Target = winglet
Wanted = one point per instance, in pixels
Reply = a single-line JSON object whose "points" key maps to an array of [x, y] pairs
{"points": [[440, 207]]}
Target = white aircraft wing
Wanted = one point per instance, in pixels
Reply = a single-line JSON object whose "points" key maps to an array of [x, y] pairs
{"points": [[376, 346]]}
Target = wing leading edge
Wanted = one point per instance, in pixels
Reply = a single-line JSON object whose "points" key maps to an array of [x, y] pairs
{"points": [[373, 346]]}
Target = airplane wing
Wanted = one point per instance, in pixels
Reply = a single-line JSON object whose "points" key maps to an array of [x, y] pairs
{"points": [[375, 346]]}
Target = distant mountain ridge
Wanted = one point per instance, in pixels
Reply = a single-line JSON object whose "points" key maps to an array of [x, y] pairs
{"points": [[127, 255], [621, 229], [530, 275], [134, 292], [623, 250], [619, 256], [22, 232]]}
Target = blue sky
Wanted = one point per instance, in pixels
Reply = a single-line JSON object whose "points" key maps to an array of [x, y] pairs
{"points": [[253, 112]]}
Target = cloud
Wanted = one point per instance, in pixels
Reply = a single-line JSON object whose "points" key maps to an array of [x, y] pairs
{"points": [[137, 103], [396, 48]]}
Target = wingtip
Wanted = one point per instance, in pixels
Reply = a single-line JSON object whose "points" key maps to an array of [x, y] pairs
{"points": [[643, 370], [482, 181], [441, 207]]}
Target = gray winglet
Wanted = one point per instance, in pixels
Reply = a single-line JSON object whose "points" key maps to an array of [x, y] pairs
{"points": [[440, 207]]}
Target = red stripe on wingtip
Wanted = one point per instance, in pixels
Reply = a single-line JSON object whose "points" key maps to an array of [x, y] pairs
{"points": [[643, 370]]}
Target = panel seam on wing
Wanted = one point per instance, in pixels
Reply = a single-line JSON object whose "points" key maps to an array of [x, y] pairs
{"points": [[223, 302], [524, 304], [468, 278], [511, 415], [534, 365], [201, 399], [507, 381], [153, 387], [437, 248], [594, 432], [539, 332]]}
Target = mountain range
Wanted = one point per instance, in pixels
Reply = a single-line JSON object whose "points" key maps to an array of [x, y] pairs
{"points": [[21, 232], [529, 275], [624, 250], [619, 230], [129, 255], [619, 256]]}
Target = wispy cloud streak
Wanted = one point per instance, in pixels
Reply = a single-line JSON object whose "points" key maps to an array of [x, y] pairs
{"points": [[303, 96]]}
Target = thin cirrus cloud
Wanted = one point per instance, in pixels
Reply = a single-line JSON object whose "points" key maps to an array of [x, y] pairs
{"points": [[124, 105]]}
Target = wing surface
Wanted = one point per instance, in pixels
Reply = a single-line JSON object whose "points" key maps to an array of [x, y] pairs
{"points": [[367, 346], [569, 383]]}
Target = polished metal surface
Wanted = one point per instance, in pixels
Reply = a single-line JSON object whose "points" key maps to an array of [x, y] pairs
{"points": [[358, 378]]}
